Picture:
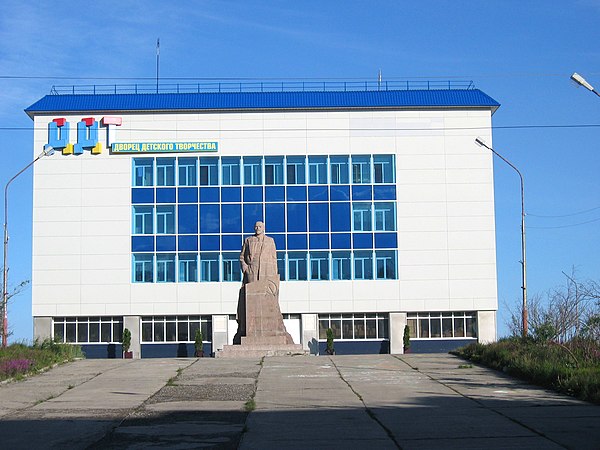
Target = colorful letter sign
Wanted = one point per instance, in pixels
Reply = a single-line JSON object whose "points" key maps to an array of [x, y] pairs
{"points": [[87, 135]]}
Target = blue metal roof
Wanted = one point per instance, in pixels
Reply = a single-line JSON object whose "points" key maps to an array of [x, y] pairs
{"points": [[235, 101]]}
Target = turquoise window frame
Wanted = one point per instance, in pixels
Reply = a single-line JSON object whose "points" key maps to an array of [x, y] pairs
{"points": [[385, 216], [363, 265], [187, 172], [319, 265], [165, 171], [384, 170], [143, 172], [143, 267], [274, 170], [231, 267], [188, 267], [208, 171], [165, 219], [362, 216], [209, 267], [165, 267], [361, 169], [143, 219], [230, 171]]}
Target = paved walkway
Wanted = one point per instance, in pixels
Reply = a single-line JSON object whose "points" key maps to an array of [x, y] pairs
{"points": [[374, 401]]}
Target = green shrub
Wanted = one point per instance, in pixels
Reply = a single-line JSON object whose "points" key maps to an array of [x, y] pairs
{"points": [[330, 349], [20, 359], [126, 339], [572, 368]]}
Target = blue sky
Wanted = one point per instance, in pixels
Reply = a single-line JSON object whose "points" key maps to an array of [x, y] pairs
{"points": [[520, 53]]}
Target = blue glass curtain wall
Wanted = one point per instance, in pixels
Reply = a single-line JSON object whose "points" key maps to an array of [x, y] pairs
{"points": [[332, 217]]}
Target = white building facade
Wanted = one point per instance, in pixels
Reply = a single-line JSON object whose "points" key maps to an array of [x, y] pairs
{"points": [[380, 203]]}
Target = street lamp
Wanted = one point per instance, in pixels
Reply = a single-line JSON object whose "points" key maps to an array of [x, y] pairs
{"points": [[582, 82], [48, 151], [481, 143]]}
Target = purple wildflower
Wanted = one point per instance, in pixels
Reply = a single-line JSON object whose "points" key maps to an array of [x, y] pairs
{"points": [[15, 366]]}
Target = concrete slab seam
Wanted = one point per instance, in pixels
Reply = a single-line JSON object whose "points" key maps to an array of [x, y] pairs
{"points": [[108, 435], [250, 405], [481, 404], [52, 397], [370, 413]]}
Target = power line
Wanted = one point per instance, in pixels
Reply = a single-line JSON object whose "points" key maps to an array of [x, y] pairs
{"points": [[565, 226], [395, 78], [493, 127], [564, 215]]}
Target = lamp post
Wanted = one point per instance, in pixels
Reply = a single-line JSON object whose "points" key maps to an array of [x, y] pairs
{"points": [[582, 82], [525, 319], [48, 151]]}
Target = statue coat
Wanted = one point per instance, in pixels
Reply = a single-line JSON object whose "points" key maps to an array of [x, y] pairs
{"points": [[258, 259]]}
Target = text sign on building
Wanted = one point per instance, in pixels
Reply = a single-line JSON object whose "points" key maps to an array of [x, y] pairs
{"points": [[163, 147]]}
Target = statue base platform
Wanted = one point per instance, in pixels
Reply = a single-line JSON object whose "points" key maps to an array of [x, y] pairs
{"points": [[260, 350], [261, 330]]}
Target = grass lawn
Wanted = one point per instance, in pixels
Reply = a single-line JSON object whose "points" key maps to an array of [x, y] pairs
{"points": [[18, 360], [572, 368]]}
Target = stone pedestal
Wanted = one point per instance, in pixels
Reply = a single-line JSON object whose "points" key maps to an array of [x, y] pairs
{"points": [[261, 331]]}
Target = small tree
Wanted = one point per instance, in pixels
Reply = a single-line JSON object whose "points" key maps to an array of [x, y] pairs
{"points": [[406, 338], [198, 339], [126, 340], [330, 349]]}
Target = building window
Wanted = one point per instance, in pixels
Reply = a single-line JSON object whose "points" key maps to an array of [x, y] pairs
{"points": [[383, 169], [143, 268], [339, 169], [281, 265], [85, 330], [296, 172], [363, 265], [143, 169], [253, 170], [231, 267], [385, 216], [143, 219], [188, 267], [187, 171], [165, 171], [209, 267], [340, 266], [440, 325], [170, 221], [317, 169], [297, 266], [209, 171], [274, 170], [165, 219], [319, 266], [385, 264], [230, 168], [175, 328], [357, 326], [361, 169], [361, 215], [165, 267]]}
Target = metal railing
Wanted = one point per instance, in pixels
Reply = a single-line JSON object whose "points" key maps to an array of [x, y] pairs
{"points": [[266, 86]]}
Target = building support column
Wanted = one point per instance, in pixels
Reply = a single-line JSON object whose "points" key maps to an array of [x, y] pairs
{"points": [[486, 327], [219, 332], [397, 324], [42, 328], [310, 333], [132, 323]]}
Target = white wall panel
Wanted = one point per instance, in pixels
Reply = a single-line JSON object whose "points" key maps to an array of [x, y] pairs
{"points": [[445, 215]]}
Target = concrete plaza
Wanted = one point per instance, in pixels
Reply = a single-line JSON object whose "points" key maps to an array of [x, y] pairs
{"points": [[415, 401]]}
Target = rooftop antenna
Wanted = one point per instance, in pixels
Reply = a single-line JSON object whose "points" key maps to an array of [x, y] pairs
{"points": [[379, 80], [157, 61]]}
